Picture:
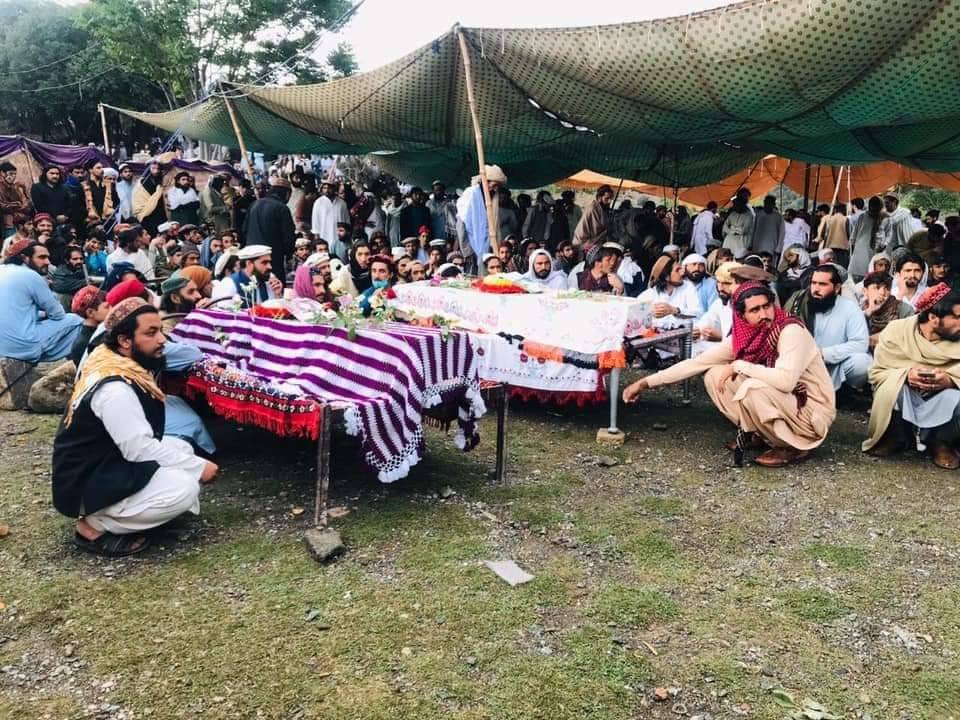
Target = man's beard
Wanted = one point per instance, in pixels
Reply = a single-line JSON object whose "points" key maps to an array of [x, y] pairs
{"points": [[405, 276], [185, 305], [260, 277], [675, 284], [910, 282], [542, 274], [38, 271], [724, 298], [948, 336], [696, 276], [153, 364], [820, 305]]}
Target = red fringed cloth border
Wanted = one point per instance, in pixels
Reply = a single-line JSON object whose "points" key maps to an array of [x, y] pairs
{"points": [[245, 398], [562, 397], [606, 360], [271, 313]]}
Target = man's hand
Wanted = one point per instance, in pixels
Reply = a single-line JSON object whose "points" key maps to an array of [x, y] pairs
{"points": [[210, 471], [725, 375], [616, 283], [275, 285], [631, 393], [929, 379], [711, 334], [204, 303], [661, 310]]}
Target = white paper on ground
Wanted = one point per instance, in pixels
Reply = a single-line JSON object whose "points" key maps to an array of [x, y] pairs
{"points": [[509, 571]]}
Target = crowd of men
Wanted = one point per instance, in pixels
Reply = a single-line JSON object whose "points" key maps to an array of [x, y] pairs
{"points": [[789, 311]]}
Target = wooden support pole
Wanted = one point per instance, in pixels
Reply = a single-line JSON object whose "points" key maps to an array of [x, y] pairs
{"points": [[103, 126], [806, 187], [836, 189], [494, 230], [240, 142]]}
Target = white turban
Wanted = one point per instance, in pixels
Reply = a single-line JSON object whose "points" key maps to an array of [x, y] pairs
{"points": [[693, 259], [671, 248]]}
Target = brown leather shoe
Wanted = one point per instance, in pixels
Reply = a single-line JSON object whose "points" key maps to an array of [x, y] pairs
{"points": [[779, 457], [945, 457], [754, 441]]}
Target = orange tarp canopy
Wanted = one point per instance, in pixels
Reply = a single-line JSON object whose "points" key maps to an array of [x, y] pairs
{"points": [[766, 174]]}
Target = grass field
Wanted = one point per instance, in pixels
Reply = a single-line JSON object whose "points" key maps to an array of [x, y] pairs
{"points": [[667, 585]]}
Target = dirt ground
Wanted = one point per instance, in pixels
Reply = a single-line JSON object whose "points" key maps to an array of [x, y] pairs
{"points": [[667, 583]]}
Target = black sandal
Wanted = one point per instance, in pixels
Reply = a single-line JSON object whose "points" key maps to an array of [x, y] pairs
{"points": [[110, 545]]}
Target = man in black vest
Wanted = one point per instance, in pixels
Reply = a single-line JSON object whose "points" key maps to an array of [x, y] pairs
{"points": [[113, 469]]}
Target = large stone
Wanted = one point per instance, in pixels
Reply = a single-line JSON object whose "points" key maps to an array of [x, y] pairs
{"points": [[16, 379], [323, 544], [51, 393]]}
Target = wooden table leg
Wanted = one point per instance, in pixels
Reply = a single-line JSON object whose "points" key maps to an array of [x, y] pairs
{"points": [[503, 398], [323, 468]]}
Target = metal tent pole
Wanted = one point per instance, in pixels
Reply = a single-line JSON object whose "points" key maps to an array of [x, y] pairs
{"points": [[103, 126]]}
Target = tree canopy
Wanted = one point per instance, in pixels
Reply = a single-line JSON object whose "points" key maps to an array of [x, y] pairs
{"points": [[185, 46], [53, 73]]}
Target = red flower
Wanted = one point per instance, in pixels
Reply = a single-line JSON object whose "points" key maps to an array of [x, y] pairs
{"points": [[391, 295], [523, 357]]}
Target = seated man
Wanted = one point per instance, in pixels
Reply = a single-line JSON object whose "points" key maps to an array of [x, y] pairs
{"points": [[253, 282], [67, 279], [180, 296], [695, 272], [417, 271], [91, 304], [908, 283], [880, 306], [113, 468], [600, 270], [715, 324], [767, 377], [939, 270], [381, 277], [491, 264], [837, 325], [33, 325], [670, 294], [915, 377], [541, 272]]}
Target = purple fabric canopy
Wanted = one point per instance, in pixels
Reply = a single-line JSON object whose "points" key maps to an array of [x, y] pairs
{"points": [[67, 156]]}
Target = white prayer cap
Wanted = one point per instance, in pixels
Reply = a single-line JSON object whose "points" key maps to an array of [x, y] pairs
{"points": [[252, 252], [485, 257], [671, 248], [164, 227], [614, 246], [222, 260], [301, 242], [317, 259], [110, 173], [397, 252], [495, 174], [448, 270], [438, 242], [693, 259]]}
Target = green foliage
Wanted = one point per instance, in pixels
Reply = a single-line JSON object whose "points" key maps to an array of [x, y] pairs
{"points": [[946, 201], [42, 47], [186, 46]]}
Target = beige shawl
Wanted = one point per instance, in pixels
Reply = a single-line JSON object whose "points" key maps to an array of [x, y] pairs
{"points": [[902, 347]]}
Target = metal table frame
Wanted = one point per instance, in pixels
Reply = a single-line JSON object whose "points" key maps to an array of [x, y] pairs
{"points": [[684, 335], [330, 412]]}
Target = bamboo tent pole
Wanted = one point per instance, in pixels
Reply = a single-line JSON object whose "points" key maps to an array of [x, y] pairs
{"points": [[806, 187], [103, 126], [240, 142], [492, 228], [836, 189]]}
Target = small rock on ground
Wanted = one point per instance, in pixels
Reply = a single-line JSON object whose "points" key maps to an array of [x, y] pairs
{"points": [[324, 545]]}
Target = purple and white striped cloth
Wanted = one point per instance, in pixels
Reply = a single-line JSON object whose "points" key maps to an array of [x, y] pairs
{"points": [[387, 377]]}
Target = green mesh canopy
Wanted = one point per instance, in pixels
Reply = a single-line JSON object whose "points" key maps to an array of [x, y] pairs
{"points": [[679, 102]]}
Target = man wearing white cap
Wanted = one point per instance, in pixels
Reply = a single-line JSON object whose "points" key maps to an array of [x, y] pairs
{"points": [[695, 270], [253, 280], [472, 231], [715, 324], [541, 272]]}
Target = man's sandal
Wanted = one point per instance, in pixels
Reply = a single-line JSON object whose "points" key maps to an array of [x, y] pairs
{"points": [[110, 545], [754, 441], [945, 457], [780, 457]]}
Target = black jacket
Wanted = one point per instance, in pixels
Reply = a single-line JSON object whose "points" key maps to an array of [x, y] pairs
{"points": [[269, 222], [55, 200]]}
